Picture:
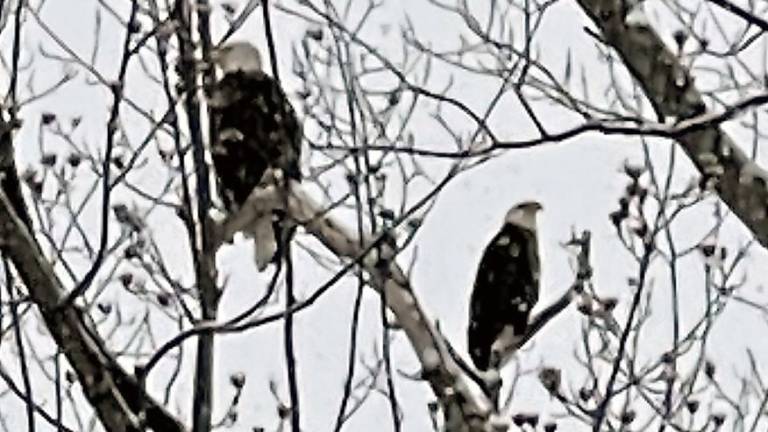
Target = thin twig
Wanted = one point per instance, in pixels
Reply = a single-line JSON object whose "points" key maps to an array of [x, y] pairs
{"points": [[602, 408], [117, 87]]}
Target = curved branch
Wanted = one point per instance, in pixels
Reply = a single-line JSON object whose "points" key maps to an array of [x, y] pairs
{"points": [[464, 409]]}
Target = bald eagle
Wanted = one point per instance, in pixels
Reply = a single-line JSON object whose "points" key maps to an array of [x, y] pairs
{"points": [[257, 130], [506, 287]]}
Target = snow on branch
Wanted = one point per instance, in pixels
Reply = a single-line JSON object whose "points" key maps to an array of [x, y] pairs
{"points": [[465, 408], [376, 257], [671, 90]]}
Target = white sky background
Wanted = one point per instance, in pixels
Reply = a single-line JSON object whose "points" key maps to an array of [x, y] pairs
{"points": [[578, 182]]}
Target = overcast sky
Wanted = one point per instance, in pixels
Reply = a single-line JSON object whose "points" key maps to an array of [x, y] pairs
{"points": [[578, 182]]}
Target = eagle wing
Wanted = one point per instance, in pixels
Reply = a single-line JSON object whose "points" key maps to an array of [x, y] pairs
{"points": [[506, 289], [257, 129]]}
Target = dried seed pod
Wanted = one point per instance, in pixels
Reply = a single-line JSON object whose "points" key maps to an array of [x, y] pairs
{"points": [[585, 308], [628, 416], [47, 118], [708, 250], [680, 36], [617, 217], [709, 369], [48, 159], [633, 171], [519, 419], [609, 303], [692, 405], [237, 380], [316, 34], [585, 394], [74, 160], [163, 299], [126, 279], [550, 378]]}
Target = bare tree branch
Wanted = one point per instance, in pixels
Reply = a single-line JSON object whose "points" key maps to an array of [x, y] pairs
{"points": [[449, 384], [114, 394], [670, 88]]}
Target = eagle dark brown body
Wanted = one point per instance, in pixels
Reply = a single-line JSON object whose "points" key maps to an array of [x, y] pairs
{"points": [[257, 129], [506, 286]]}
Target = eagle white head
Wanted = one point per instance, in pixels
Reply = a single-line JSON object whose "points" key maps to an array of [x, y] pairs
{"points": [[237, 56], [524, 214]]}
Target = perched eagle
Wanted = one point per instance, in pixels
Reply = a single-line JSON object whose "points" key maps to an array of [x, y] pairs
{"points": [[257, 130], [506, 287]]}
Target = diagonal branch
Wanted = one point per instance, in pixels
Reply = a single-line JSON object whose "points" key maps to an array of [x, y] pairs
{"points": [[742, 13], [465, 409], [113, 393], [670, 88]]}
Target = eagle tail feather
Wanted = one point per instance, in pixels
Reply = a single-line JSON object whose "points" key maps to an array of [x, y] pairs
{"points": [[264, 242]]}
